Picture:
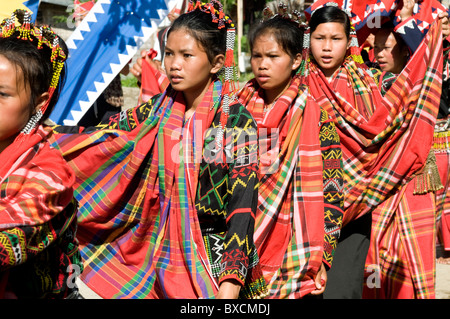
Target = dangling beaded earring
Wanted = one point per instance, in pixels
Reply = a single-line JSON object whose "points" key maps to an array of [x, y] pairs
{"points": [[218, 16], [32, 122]]}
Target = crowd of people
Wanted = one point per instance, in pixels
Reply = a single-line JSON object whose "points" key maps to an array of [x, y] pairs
{"points": [[324, 176]]}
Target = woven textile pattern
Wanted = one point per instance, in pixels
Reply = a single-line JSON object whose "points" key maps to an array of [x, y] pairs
{"points": [[403, 231], [300, 197], [385, 139], [141, 233], [38, 219]]}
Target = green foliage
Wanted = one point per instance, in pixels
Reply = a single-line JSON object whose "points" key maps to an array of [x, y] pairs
{"points": [[129, 81], [57, 19]]}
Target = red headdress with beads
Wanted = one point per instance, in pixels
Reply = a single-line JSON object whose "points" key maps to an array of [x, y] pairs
{"points": [[215, 8]]}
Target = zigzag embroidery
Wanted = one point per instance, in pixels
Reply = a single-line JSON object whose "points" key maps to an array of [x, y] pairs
{"points": [[210, 211], [332, 197], [7, 247], [240, 242], [247, 130], [241, 182], [334, 174], [333, 153], [217, 248], [333, 230], [329, 133]]}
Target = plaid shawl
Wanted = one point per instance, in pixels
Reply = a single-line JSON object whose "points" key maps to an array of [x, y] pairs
{"points": [[402, 253], [36, 183], [385, 140], [290, 201], [38, 248], [138, 225]]}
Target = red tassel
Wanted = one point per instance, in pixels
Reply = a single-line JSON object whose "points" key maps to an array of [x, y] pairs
{"points": [[229, 58]]}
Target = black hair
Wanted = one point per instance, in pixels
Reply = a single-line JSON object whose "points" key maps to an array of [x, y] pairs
{"points": [[287, 33], [36, 67], [389, 26], [328, 14], [199, 25]]}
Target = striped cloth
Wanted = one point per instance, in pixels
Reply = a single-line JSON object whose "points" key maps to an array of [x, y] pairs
{"points": [[153, 81], [401, 260], [441, 147], [38, 248], [385, 140], [299, 202], [139, 228], [138, 232], [36, 184]]}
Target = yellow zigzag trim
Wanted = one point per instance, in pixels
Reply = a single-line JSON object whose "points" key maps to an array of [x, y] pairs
{"points": [[239, 241], [213, 212], [240, 182]]}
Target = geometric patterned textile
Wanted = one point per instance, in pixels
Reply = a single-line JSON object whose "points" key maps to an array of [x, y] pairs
{"points": [[373, 13], [37, 219], [146, 203], [299, 203], [385, 139]]}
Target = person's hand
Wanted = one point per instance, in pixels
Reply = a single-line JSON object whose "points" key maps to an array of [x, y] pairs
{"points": [[136, 69], [443, 16], [320, 281], [407, 9], [229, 289]]}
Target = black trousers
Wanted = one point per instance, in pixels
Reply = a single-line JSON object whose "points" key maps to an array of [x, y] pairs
{"points": [[346, 276]]}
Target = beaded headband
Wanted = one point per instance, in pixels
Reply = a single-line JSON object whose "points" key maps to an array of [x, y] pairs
{"points": [[215, 8], [20, 23], [218, 16]]}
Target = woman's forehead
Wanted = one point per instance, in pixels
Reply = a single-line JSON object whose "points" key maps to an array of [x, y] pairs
{"points": [[330, 28], [385, 36]]}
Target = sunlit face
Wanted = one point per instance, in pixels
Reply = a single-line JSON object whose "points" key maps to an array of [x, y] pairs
{"points": [[14, 102], [329, 45], [390, 55], [272, 66], [186, 63]]}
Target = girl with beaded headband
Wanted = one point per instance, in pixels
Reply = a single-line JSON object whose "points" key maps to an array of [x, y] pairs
{"points": [[295, 235], [167, 207], [378, 134], [39, 250], [44, 37]]}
